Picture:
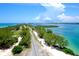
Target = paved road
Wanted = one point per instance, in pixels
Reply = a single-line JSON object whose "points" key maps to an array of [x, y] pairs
{"points": [[36, 47]]}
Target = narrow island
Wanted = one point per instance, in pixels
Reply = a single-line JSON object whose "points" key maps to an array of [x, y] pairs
{"points": [[15, 39]]}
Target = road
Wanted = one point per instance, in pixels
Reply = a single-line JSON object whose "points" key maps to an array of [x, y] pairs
{"points": [[37, 49]]}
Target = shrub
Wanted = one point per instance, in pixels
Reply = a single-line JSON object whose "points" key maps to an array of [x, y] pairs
{"points": [[68, 51], [41, 30], [6, 39], [25, 42], [49, 31], [17, 49], [48, 38], [25, 38]]}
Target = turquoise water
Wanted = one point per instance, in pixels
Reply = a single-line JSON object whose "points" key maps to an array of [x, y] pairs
{"points": [[6, 24], [71, 33]]}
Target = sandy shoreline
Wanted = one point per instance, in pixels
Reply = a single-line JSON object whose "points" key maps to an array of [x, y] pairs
{"points": [[53, 51]]}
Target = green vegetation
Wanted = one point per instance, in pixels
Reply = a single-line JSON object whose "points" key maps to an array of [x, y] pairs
{"points": [[67, 51], [6, 38], [17, 50], [49, 31], [9, 36], [25, 38], [53, 39], [50, 38], [41, 30], [25, 42]]}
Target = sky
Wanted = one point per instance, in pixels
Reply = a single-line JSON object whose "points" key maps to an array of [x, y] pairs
{"points": [[39, 12]]}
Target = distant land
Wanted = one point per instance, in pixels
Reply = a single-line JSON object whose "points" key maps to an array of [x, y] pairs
{"points": [[53, 23]]}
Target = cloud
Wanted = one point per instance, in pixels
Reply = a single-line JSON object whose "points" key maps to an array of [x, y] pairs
{"points": [[55, 13], [48, 18], [68, 18], [37, 18], [53, 9]]}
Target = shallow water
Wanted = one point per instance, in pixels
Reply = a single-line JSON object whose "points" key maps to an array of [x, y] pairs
{"points": [[71, 33], [6, 24]]}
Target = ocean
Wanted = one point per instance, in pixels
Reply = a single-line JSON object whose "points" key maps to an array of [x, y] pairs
{"points": [[6, 24], [70, 33]]}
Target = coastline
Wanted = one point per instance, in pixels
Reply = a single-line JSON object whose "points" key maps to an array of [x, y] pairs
{"points": [[50, 49], [53, 51], [3, 25]]}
